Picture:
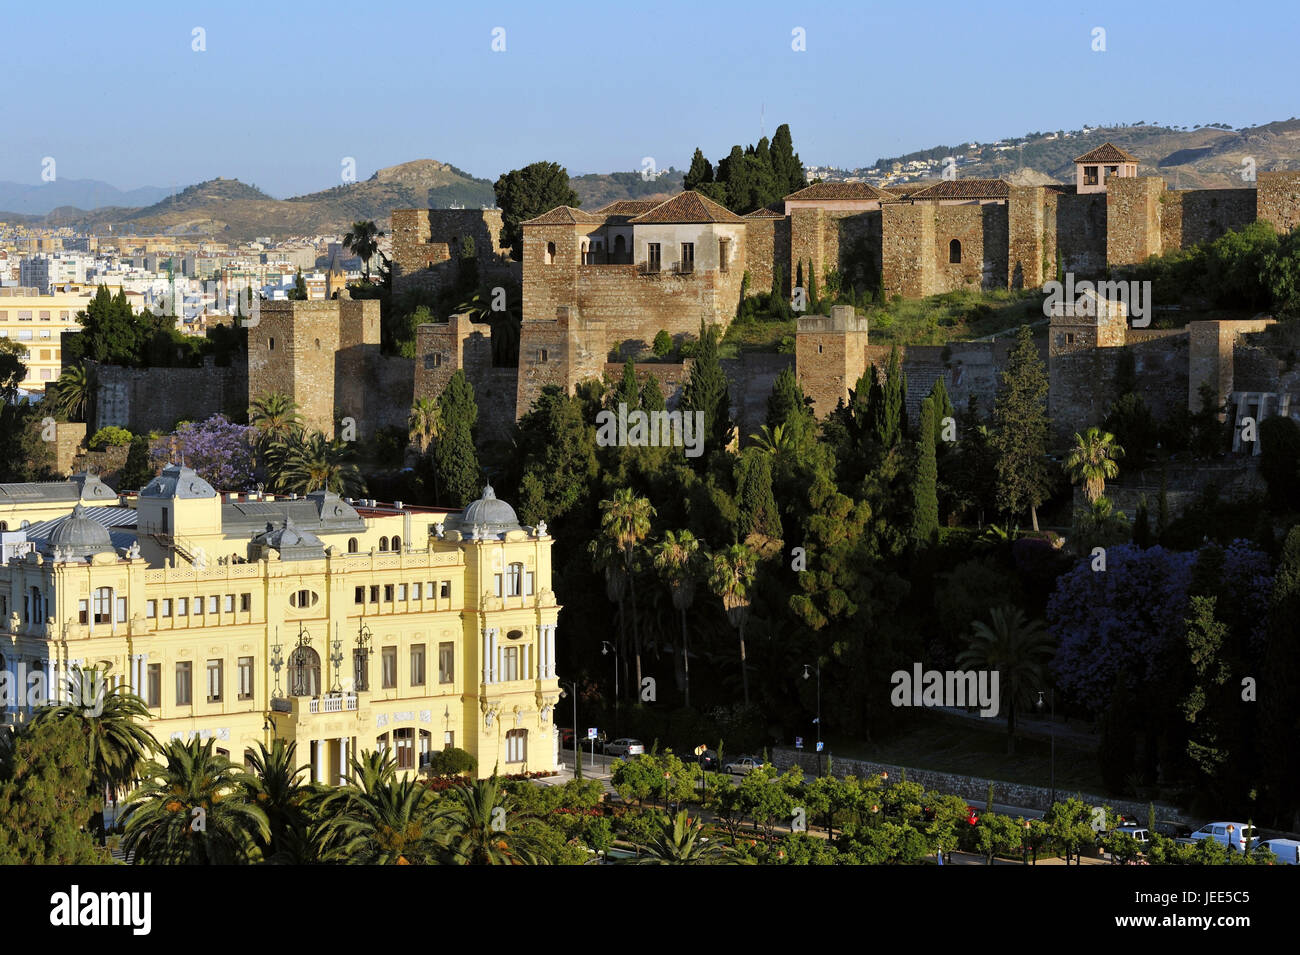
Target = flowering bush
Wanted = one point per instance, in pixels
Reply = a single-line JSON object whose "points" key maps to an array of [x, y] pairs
{"points": [[220, 451]]}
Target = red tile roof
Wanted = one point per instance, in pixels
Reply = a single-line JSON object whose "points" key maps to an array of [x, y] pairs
{"points": [[1107, 152], [686, 207], [628, 207], [965, 189], [764, 213], [838, 190], [563, 215]]}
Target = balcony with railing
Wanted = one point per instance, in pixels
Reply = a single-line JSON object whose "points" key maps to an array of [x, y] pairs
{"points": [[333, 703]]}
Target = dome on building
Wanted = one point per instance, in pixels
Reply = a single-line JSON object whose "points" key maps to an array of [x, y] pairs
{"points": [[178, 481], [488, 516], [289, 540], [80, 536]]}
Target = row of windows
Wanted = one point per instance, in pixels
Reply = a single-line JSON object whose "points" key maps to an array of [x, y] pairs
{"points": [[398, 592], [516, 582], [184, 607], [384, 544], [305, 668], [25, 315], [25, 334], [215, 672]]}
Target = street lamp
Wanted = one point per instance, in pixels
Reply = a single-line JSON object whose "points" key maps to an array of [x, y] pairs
{"points": [[818, 721], [577, 750], [607, 648], [1051, 697]]}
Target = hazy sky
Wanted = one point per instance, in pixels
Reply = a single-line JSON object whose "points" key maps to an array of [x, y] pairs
{"points": [[285, 90]]}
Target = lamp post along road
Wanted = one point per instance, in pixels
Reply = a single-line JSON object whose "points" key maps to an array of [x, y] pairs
{"points": [[1051, 697], [818, 721], [577, 746]]}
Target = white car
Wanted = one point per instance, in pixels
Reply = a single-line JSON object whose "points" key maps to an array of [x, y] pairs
{"points": [[625, 747], [1231, 834], [1287, 851]]}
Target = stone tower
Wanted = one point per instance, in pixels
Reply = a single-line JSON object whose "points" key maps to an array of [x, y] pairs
{"points": [[830, 356]]}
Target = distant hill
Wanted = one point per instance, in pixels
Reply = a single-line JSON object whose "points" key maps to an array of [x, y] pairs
{"points": [[600, 189], [230, 210], [79, 193], [1206, 158]]}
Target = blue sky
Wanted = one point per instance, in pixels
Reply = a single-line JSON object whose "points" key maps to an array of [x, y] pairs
{"points": [[285, 90]]}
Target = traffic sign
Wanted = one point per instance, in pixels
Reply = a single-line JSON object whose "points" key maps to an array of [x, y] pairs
{"points": [[591, 732], [798, 742], [819, 746]]}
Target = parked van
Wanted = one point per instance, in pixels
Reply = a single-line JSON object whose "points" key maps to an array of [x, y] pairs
{"points": [[1231, 834]]}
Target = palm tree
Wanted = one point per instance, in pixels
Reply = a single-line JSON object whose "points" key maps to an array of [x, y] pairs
{"points": [[677, 558], [378, 819], [424, 425], [1092, 460], [625, 521], [73, 392], [275, 420], [278, 785], [1018, 649], [731, 572], [774, 441], [363, 239], [191, 811], [311, 462], [606, 558], [680, 840], [478, 838], [117, 742]]}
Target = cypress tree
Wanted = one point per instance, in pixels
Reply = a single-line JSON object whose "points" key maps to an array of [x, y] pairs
{"points": [[925, 486], [628, 391], [758, 513], [888, 403], [1020, 430], [454, 457], [814, 300], [706, 391], [787, 403], [942, 409]]}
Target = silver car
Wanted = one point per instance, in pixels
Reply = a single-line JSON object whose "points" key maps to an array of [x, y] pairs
{"points": [[625, 747], [743, 764]]}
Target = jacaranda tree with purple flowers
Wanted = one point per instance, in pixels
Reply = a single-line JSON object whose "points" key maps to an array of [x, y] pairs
{"points": [[219, 450]]}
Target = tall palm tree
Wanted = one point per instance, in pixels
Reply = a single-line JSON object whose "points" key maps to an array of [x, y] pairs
{"points": [[609, 560], [117, 742], [424, 424], [191, 811], [680, 840], [363, 239], [731, 573], [73, 392], [677, 559], [625, 521], [312, 462], [477, 837], [382, 820], [1092, 460], [278, 784], [1018, 649]]}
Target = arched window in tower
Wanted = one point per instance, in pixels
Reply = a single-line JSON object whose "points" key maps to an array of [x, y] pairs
{"points": [[352, 545], [954, 252], [383, 543], [397, 543], [550, 253], [304, 672]]}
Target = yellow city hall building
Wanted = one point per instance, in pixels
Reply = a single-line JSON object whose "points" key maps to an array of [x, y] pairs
{"points": [[342, 625]]}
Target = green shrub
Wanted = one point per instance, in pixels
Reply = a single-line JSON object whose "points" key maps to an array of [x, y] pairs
{"points": [[109, 437], [451, 762], [663, 344]]}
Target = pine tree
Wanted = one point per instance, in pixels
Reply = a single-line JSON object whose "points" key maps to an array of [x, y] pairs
{"points": [[787, 404], [652, 397], [706, 391], [628, 391], [786, 166], [137, 471], [701, 172], [925, 486], [454, 457], [1020, 430]]}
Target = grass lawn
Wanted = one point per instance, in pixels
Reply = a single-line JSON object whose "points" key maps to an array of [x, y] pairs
{"points": [[953, 744]]}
